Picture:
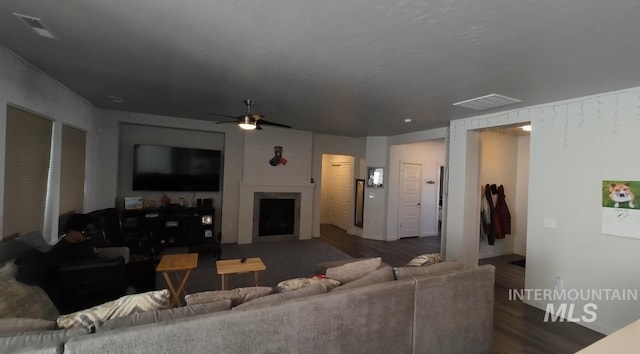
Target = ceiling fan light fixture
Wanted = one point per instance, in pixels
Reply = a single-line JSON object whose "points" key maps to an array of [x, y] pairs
{"points": [[247, 123]]}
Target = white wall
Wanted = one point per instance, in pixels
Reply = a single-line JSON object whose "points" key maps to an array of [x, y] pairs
{"points": [[259, 149], [498, 165], [375, 199], [430, 155], [25, 87], [519, 217], [575, 144]]}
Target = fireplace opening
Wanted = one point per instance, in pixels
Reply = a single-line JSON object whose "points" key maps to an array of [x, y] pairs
{"points": [[276, 216]]}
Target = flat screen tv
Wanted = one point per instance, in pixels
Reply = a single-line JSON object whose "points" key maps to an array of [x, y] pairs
{"points": [[166, 168]]}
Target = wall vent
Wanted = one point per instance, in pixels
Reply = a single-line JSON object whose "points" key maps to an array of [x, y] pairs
{"points": [[486, 102], [36, 24]]}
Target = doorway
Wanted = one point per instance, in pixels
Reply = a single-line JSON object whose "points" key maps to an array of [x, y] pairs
{"points": [[504, 161], [337, 191], [405, 160], [410, 201]]}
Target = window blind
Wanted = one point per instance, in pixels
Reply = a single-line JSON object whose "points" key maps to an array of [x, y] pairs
{"points": [[72, 169], [27, 160]]}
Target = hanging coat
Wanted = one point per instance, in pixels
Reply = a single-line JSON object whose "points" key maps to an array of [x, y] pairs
{"points": [[485, 218], [503, 214], [494, 230]]}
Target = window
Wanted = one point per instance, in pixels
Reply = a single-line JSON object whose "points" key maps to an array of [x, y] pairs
{"points": [[72, 169], [27, 160]]}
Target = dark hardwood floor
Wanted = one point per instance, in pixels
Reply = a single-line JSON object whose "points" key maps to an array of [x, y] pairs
{"points": [[517, 327]]}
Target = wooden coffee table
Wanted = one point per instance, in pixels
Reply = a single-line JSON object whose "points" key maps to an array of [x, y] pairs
{"points": [[234, 266], [176, 263]]}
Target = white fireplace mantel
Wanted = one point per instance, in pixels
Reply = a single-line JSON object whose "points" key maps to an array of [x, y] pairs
{"points": [[247, 190]]}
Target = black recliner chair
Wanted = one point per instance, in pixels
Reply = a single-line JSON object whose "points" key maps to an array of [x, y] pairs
{"points": [[89, 282]]}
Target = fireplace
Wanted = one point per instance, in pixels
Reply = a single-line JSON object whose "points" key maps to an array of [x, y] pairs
{"points": [[276, 216]]}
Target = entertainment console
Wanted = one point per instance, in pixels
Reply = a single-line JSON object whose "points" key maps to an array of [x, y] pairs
{"points": [[173, 226]]}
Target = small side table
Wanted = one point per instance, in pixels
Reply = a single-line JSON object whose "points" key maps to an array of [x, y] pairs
{"points": [[235, 266], [175, 263]]}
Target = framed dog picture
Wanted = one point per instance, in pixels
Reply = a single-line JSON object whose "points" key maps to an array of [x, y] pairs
{"points": [[620, 210]]}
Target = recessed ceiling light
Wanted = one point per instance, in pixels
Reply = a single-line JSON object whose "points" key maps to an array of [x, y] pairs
{"points": [[486, 102], [526, 128], [116, 99], [408, 120], [36, 24]]}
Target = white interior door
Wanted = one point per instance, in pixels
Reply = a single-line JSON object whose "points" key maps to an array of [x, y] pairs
{"points": [[410, 200], [340, 195]]}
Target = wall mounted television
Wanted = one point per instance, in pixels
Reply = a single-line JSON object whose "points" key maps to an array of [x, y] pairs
{"points": [[167, 168]]}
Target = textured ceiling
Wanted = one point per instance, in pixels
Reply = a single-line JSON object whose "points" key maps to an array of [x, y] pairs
{"points": [[355, 68]]}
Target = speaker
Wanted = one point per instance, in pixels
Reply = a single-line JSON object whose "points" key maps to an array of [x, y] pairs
{"points": [[207, 203]]}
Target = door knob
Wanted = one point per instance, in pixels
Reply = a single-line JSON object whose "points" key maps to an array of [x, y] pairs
{"points": [[419, 203]]}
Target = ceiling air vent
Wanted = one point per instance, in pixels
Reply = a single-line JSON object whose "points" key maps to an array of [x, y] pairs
{"points": [[36, 24], [486, 102], [116, 99]]}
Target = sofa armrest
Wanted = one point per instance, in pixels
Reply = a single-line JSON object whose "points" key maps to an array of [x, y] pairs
{"points": [[90, 282], [113, 252], [90, 264]]}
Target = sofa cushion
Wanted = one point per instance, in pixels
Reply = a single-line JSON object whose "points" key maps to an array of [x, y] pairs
{"points": [[237, 296], [277, 298], [15, 325], [353, 270], [299, 283], [32, 341], [141, 318], [410, 272], [381, 275], [424, 259], [126, 305], [321, 268], [22, 300], [35, 240], [15, 247]]}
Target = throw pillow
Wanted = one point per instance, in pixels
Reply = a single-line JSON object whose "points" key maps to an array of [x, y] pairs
{"points": [[424, 260], [354, 270], [126, 305], [410, 272], [8, 270], [278, 298], [237, 296], [384, 274], [141, 318], [22, 300], [299, 283], [15, 325]]}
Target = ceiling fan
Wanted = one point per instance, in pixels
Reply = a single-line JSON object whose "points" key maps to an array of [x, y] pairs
{"points": [[249, 121]]}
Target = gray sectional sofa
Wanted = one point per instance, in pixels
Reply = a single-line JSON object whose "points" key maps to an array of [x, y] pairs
{"points": [[448, 312], [437, 309]]}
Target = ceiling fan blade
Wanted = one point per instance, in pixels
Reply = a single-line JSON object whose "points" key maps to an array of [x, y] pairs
{"points": [[228, 121], [222, 115], [266, 122]]}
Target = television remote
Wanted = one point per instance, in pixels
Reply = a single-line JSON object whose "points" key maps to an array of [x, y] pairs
{"points": [[244, 259]]}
